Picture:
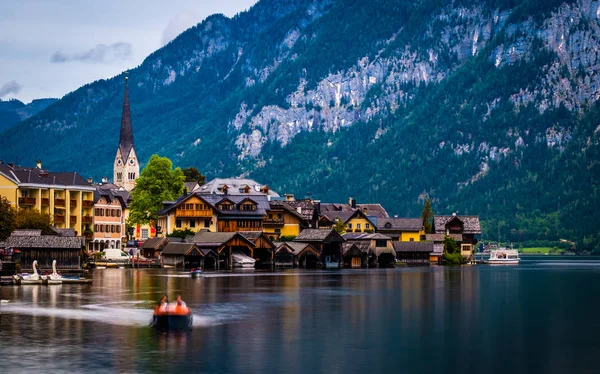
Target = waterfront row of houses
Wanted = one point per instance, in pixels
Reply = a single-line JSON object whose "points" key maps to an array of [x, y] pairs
{"points": [[295, 228]]}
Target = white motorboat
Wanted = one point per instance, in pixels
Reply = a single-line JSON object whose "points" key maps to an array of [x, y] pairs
{"points": [[504, 256], [240, 260], [34, 278]]}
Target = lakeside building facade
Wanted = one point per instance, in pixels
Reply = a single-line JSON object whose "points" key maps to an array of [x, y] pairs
{"points": [[66, 196]]}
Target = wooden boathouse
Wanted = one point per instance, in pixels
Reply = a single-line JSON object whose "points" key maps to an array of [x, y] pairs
{"points": [[327, 241], [264, 249], [188, 256], [292, 255], [33, 246], [223, 244], [414, 253]]}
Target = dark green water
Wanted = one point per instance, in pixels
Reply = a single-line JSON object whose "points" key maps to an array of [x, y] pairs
{"points": [[538, 317]]}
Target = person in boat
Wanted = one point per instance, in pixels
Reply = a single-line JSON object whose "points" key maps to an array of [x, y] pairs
{"points": [[163, 304], [180, 306]]}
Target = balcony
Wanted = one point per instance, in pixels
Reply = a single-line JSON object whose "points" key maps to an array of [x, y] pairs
{"points": [[73, 203], [59, 218], [87, 203], [194, 213], [73, 220], [45, 201], [26, 200], [87, 219], [60, 202], [273, 221]]}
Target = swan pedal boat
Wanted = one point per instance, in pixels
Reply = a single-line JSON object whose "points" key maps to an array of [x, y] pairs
{"points": [[56, 278], [34, 278], [178, 319]]}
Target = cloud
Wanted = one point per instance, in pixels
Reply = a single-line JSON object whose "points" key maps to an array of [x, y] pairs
{"points": [[99, 54], [179, 24], [11, 87]]}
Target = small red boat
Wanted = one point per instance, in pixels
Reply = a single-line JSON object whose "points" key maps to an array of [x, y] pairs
{"points": [[172, 318]]}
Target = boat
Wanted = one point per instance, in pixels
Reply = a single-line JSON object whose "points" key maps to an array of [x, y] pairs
{"points": [[196, 273], [34, 278], [60, 279], [240, 260], [174, 318], [504, 256]]}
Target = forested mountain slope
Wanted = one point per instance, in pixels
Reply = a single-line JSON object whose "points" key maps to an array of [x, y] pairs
{"points": [[488, 107]]}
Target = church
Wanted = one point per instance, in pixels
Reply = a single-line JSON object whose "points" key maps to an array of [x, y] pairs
{"points": [[126, 167]]}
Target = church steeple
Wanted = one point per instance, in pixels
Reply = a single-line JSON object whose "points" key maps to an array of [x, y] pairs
{"points": [[126, 166], [126, 138]]}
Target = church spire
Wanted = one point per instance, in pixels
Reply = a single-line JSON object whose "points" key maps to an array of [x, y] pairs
{"points": [[126, 138]]}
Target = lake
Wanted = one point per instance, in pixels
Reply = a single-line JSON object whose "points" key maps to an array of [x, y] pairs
{"points": [[538, 317]]}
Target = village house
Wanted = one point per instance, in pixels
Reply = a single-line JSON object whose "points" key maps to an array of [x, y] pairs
{"points": [[214, 212], [356, 217], [402, 229], [66, 197], [463, 229], [109, 220], [287, 218]]}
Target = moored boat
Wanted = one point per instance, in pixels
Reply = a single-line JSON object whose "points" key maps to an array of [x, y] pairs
{"points": [[34, 278], [504, 256], [197, 273], [56, 278]]}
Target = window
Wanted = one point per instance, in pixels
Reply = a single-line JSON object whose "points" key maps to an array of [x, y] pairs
{"points": [[278, 231], [178, 223], [119, 177], [107, 228], [367, 226], [101, 228], [279, 216], [226, 206], [380, 243], [112, 213], [411, 239], [358, 226], [119, 229], [112, 228], [118, 213], [248, 207], [192, 222], [107, 212], [349, 226], [144, 233], [206, 223]]}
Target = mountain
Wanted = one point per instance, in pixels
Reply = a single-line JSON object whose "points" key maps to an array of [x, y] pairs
{"points": [[14, 111], [487, 107]]}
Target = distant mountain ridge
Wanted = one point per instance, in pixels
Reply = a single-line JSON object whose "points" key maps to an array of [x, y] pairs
{"points": [[487, 107], [14, 111]]}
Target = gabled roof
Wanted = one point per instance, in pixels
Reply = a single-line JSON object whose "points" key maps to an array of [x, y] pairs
{"points": [[347, 215], [440, 237], [191, 186], [319, 235], [295, 248], [180, 249], [262, 204], [350, 249], [234, 184], [365, 236], [470, 223], [216, 239], [400, 224], [376, 210], [155, 243], [413, 247], [44, 241]]}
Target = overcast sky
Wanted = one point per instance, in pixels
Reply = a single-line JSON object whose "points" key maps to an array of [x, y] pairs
{"points": [[50, 48]]}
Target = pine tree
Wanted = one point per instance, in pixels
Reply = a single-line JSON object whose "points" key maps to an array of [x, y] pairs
{"points": [[427, 216]]}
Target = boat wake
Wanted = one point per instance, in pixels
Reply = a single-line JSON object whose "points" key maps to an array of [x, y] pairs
{"points": [[98, 313]]}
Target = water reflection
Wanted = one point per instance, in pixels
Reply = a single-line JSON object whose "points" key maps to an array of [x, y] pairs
{"points": [[385, 320]]}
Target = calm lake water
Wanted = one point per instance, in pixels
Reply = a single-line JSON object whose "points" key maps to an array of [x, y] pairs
{"points": [[539, 317]]}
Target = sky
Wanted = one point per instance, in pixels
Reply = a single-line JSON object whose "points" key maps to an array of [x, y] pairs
{"points": [[50, 48]]}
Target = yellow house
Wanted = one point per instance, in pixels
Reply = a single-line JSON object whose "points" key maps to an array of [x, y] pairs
{"points": [[401, 229], [67, 197], [282, 220], [354, 220], [191, 212]]}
